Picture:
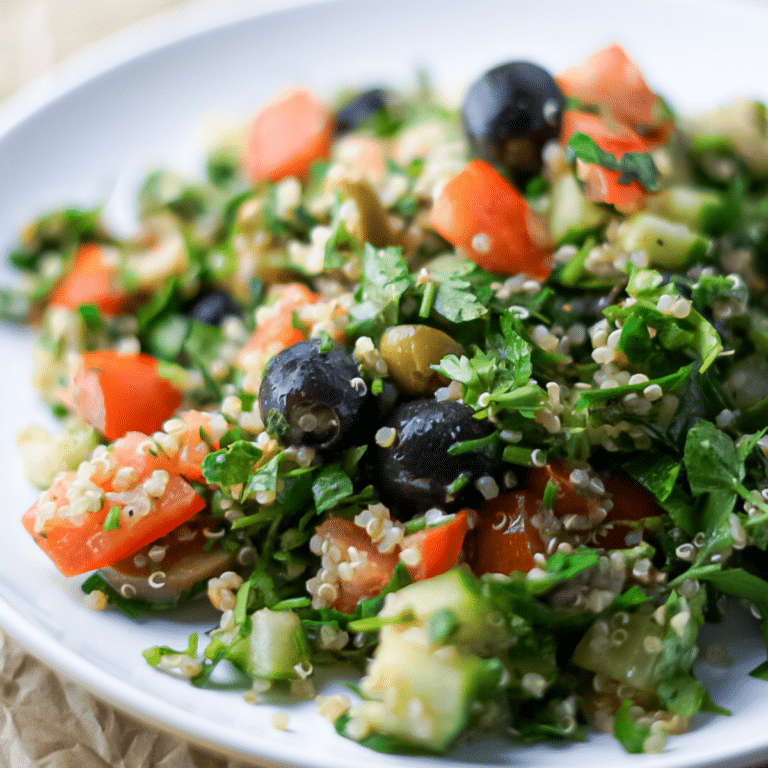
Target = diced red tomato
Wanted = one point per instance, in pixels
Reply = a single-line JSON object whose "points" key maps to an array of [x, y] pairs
{"points": [[149, 507], [287, 136], [277, 332], [439, 545], [92, 280], [631, 501], [600, 184], [504, 539], [192, 449], [481, 213], [569, 499], [118, 393], [611, 80], [371, 576]]}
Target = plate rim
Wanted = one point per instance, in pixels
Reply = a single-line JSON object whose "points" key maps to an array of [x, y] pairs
{"points": [[143, 38], [155, 32]]}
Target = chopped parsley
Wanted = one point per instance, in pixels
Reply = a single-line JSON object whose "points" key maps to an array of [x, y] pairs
{"points": [[112, 520], [633, 166]]}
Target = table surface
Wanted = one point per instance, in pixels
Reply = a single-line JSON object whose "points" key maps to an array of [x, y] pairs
{"points": [[80, 730]]}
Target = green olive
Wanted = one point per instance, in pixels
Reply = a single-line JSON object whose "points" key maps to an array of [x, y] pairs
{"points": [[410, 350], [253, 252], [372, 226]]}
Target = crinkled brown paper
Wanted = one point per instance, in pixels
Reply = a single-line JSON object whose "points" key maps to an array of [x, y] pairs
{"points": [[47, 721]]}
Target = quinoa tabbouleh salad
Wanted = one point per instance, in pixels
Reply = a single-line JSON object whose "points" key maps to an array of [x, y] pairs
{"points": [[473, 399]]}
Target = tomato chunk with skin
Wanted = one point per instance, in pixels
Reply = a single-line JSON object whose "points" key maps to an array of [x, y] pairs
{"points": [[363, 570], [602, 185], [610, 79], [481, 213], [69, 520], [287, 135], [628, 500], [119, 393], [504, 538], [439, 546], [346, 544], [92, 280], [277, 332], [186, 447], [631, 501]]}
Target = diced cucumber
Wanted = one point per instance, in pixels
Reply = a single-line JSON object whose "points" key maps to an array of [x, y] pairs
{"points": [[423, 695], [427, 681], [626, 647], [457, 595], [687, 205], [46, 454], [571, 216], [737, 127], [276, 647], [668, 245]]}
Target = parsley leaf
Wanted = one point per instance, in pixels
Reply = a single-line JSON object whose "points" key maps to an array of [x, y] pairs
{"points": [[633, 166], [711, 460], [384, 280], [691, 335], [458, 302], [563, 566], [231, 466], [112, 520], [265, 478], [133, 607], [737, 581], [154, 654], [657, 473], [331, 486], [592, 396], [715, 466], [627, 731], [709, 289], [502, 373], [517, 351], [456, 368]]}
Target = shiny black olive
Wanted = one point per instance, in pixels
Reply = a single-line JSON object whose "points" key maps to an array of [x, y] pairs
{"points": [[415, 472], [320, 395], [213, 307], [388, 399], [509, 114], [360, 109]]}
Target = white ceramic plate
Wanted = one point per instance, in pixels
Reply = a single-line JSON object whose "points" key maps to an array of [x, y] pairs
{"points": [[87, 134]]}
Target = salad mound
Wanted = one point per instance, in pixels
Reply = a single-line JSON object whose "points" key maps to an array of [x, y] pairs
{"points": [[474, 399]]}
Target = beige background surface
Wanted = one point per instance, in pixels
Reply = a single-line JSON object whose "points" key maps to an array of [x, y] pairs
{"points": [[35, 34], [47, 722]]}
